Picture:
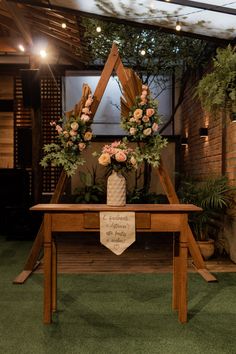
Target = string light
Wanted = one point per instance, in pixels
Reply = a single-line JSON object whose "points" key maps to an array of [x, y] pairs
{"points": [[178, 26], [63, 25], [43, 53], [143, 52], [98, 29], [21, 47]]}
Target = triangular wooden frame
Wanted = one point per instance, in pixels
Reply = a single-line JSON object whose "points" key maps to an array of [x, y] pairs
{"points": [[113, 63]]}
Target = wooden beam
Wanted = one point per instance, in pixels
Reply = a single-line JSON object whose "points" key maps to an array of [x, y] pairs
{"points": [[19, 21], [204, 6]]}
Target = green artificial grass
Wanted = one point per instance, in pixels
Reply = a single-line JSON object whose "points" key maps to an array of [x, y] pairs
{"points": [[125, 314]]}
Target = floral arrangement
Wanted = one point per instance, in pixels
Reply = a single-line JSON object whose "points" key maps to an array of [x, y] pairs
{"points": [[143, 120], [118, 156], [142, 125], [74, 135]]}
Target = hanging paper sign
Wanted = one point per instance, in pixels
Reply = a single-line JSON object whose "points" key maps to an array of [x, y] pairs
{"points": [[117, 230]]}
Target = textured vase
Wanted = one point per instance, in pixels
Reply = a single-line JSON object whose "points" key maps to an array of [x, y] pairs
{"points": [[116, 189]]}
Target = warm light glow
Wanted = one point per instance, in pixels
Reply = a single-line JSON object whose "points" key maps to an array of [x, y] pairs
{"points": [[178, 26], [63, 25], [21, 47], [143, 52], [43, 53], [98, 29]]}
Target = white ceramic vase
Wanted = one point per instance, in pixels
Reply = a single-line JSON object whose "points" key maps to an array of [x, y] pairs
{"points": [[116, 189]]}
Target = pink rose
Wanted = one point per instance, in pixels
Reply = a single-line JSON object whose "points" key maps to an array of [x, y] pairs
{"points": [[85, 118], [155, 127], [138, 113], [104, 159], [132, 131], [150, 112], [59, 129], [145, 119], [81, 146], [120, 156], [147, 131], [88, 136]]}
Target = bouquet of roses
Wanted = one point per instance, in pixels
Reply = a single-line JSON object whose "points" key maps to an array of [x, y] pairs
{"points": [[143, 120], [74, 135], [118, 156]]}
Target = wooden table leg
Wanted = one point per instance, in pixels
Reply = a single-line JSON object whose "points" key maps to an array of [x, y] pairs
{"points": [[47, 269], [54, 276], [183, 256], [176, 273]]}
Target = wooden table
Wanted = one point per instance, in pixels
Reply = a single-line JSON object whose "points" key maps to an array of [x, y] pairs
{"points": [[148, 218]]}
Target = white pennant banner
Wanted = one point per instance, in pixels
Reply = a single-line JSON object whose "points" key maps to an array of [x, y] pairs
{"points": [[117, 230]]}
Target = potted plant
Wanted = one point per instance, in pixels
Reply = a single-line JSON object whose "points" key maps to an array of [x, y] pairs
{"points": [[215, 197], [217, 89]]}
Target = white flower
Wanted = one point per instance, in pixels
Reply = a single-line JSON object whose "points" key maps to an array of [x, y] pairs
{"points": [[147, 131], [74, 126]]}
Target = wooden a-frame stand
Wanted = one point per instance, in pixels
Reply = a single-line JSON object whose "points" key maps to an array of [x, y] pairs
{"points": [[113, 63]]}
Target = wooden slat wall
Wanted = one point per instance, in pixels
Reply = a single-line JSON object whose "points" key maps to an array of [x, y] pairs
{"points": [[51, 109], [6, 125], [51, 103]]}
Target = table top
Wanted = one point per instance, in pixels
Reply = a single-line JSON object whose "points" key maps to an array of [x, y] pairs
{"points": [[161, 208]]}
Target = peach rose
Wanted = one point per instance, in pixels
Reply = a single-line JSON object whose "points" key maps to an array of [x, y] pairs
{"points": [[81, 146], [133, 161], [89, 102], [66, 134], [143, 97], [88, 136], [145, 119], [132, 131], [132, 119], [144, 87], [104, 159], [147, 131], [144, 93], [86, 110], [85, 118], [138, 113], [120, 156], [150, 112], [74, 126], [73, 133], [143, 102], [155, 127]]}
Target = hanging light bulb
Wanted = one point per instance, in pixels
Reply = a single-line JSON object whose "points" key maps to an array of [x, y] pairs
{"points": [[178, 26], [98, 29], [21, 47], [143, 52], [63, 25], [43, 53]]}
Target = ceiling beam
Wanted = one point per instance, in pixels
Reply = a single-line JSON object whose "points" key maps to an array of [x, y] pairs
{"points": [[203, 6], [36, 3], [19, 21]]}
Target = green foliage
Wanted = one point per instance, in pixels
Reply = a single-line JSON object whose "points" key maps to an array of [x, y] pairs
{"points": [[55, 156], [165, 53], [90, 192], [139, 196], [151, 150], [215, 197], [217, 90]]}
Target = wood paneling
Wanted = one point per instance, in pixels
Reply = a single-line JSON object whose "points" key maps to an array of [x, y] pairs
{"points": [[6, 139]]}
